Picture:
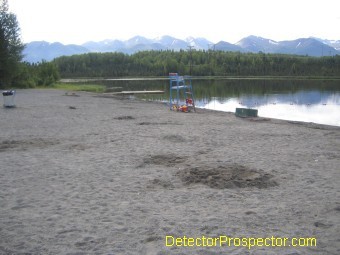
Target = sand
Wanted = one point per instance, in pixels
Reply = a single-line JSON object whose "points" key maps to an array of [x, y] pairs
{"points": [[89, 175]]}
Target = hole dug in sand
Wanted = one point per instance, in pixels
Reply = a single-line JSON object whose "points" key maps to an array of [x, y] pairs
{"points": [[227, 177], [174, 138], [165, 160], [125, 118], [159, 183], [26, 144]]}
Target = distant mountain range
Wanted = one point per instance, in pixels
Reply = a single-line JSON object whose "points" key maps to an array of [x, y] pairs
{"points": [[41, 50]]}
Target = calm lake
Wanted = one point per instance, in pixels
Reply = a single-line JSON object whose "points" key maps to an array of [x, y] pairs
{"points": [[315, 101]]}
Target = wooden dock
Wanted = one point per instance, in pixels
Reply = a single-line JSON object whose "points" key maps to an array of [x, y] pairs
{"points": [[136, 92], [130, 93]]}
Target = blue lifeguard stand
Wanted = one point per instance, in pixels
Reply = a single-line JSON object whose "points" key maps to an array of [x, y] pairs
{"points": [[180, 84]]}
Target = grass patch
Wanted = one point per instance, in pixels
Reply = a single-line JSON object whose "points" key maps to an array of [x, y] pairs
{"points": [[79, 87]]}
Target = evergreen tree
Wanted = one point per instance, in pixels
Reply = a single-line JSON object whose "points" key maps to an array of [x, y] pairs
{"points": [[11, 46]]}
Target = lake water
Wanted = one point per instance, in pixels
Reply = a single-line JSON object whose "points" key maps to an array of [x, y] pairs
{"points": [[315, 101]]}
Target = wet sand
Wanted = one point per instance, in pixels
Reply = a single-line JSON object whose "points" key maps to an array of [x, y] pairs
{"points": [[91, 175]]}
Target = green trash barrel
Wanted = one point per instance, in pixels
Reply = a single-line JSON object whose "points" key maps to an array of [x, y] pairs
{"points": [[245, 112]]}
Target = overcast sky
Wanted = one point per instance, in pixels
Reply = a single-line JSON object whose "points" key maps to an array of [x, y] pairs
{"points": [[79, 21]]}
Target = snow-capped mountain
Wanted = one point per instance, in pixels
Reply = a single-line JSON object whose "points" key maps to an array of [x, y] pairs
{"points": [[302, 46], [170, 42], [225, 46], [104, 46], [333, 43], [38, 51], [198, 43], [255, 44], [307, 46]]}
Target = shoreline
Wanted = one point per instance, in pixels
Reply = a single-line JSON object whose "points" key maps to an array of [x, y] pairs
{"points": [[259, 118], [85, 174], [151, 78]]}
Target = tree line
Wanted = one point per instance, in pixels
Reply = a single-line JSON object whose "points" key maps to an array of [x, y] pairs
{"points": [[10, 44], [196, 63], [14, 72]]}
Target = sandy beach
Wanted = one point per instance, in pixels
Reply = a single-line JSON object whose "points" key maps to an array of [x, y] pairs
{"points": [[83, 174]]}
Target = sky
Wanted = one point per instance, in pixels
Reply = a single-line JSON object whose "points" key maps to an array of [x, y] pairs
{"points": [[79, 21]]}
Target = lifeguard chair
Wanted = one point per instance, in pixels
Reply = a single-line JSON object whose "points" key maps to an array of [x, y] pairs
{"points": [[182, 86]]}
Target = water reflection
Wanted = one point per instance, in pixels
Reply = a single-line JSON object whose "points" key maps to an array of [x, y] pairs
{"points": [[326, 111], [315, 101]]}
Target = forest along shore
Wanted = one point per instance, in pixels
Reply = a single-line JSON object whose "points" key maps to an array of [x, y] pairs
{"points": [[84, 174]]}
